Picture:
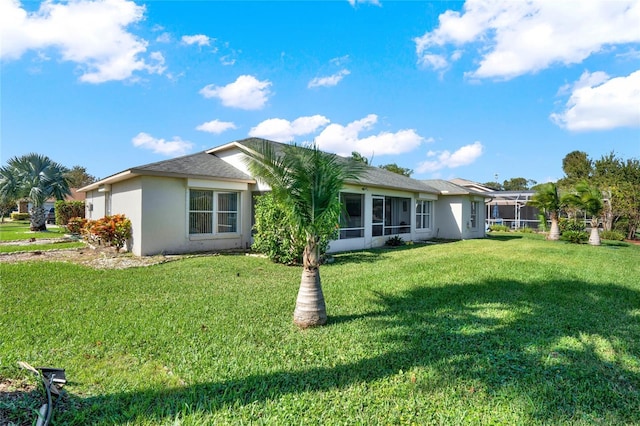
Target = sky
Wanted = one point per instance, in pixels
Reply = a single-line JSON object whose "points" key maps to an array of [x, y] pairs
{"points": [[480, 89]]}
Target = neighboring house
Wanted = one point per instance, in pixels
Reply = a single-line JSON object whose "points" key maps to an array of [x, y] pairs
{"points": [[506, 207], [204, 202], [25, 206]]}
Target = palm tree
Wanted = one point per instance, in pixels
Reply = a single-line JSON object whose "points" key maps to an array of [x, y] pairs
{"points": [[34, 177], [308, 182], [546, 199], [588, 199]]}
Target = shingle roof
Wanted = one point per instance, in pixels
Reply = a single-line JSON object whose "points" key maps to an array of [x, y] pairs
{"points": [[372, 176], [199, 164], [448, 188]]}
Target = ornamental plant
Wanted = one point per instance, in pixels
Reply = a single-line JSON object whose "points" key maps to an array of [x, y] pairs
{"points": [[110, 230], [75, 225]]}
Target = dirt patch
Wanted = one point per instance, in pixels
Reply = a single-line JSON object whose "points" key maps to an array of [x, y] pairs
{"points": [[17, 400], [95, 257]]}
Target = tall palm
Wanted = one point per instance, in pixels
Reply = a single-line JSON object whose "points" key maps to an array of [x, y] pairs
{"points": [[588, 199], [34, 177], [546, 199], [308, 182]]}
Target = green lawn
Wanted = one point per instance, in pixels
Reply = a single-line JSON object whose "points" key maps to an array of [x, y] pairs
{"points": [[507, 330], [19, 230]]}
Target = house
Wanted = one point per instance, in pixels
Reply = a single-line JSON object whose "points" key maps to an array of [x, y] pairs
{"points": [[204, 202], [508, 208]]}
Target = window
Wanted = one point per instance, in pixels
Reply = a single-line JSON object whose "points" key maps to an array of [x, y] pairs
{"points": [[390, 216], [473, 219], [205, 206], [423, 214], [351, 219]]}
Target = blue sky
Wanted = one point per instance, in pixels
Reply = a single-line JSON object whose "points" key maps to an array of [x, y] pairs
{"points": [[449, 89]]}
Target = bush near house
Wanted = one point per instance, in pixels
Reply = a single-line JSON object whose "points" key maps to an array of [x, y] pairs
{"points": [[110, 230], [566, 224], [19, 216], [65, 210], [75, 225], [575, 237], [612, 235]]}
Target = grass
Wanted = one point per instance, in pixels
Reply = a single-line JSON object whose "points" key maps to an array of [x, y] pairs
{"points": [[507, 330], [19, 230]]}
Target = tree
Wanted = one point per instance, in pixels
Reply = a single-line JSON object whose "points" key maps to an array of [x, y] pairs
{"points": [[306, 181], [577, 167], [393, 167], [356, 156], [496, 186], [546, 199], [518, 184], [588, 199], [34, 177], [77, 177], [7, 204]]}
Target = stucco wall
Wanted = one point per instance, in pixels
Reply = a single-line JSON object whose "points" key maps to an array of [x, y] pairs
{"points": [[448, 211]]}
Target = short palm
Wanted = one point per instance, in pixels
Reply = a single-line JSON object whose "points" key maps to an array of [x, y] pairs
{"points": [[307, 181]]}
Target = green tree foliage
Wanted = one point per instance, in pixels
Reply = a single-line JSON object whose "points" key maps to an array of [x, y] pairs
{"points": [[577, 167], [7, 204], [34, 177], [393, 167], [77, 177], [276, 234], [306, 182], [356, 156], [496, 186], [547, 199], [518, 184]]}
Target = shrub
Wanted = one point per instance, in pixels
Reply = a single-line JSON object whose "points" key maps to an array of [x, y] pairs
{"points": [[575, 237], [503, 228], [612, 235], [542, 219], [75, 225], [276, 235], [526, 230], [394, 241], [111, 230], [19, 216], [65, 210], [570, 225]]}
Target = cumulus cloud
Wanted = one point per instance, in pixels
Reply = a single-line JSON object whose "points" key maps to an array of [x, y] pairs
{"points": [[199, 39], [329, 81], [516, 37], [92, 34], [282, 130], [450, 160], [170, 148], [216, 126], [247, 92], [598, 102], [343, 140]]}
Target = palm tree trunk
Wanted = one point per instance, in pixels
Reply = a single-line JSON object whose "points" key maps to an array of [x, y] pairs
{"points": [[37, 219], [594, 238], [310, 306], [554, 232]]}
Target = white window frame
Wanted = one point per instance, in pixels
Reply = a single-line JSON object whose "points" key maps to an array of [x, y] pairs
{"points": [[424, 218], [215, 212], [473, 216]]}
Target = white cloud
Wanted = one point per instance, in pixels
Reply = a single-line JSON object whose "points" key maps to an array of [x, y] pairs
{"points": [[174, 147], [216, 126], [445, 159], [598, 102], [343, 140], [247, 92], [331, 80], [199, 39], [164, 38], [91, 34], [516, 37], [355, 2], [282, 130]]}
